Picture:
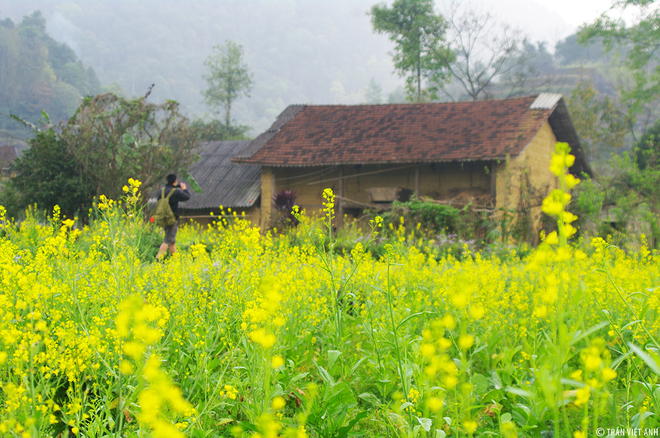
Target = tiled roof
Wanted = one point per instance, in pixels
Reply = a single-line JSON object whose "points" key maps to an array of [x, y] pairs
{"points": [[315, 135], [9, 151], [223, 182]]}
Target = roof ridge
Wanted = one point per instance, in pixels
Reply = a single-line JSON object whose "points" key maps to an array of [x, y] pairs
{"points": [[427, 132], [458, 102]]}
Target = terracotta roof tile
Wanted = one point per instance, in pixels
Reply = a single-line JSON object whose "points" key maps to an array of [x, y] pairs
{"points": [[432, 132]]}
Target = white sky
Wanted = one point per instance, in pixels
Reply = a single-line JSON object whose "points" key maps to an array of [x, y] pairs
{"points": [[549, 20], [576, 12]]}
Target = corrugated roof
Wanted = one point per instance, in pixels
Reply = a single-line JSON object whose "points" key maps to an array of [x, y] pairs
{"points": [[321, 135], [545, 101], [223, 182]]}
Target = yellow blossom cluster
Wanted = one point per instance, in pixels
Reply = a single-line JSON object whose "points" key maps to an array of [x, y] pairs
{"points": [[231, 335]]}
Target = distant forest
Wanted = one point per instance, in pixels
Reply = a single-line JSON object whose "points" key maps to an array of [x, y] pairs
{"points": [[38, 73], [299, 52]]}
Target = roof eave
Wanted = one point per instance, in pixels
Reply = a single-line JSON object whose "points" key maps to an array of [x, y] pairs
{"points": [[562, 125], [384, 162]]}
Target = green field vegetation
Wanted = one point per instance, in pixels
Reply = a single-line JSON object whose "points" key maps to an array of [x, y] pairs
{"points": [[248, 334]]}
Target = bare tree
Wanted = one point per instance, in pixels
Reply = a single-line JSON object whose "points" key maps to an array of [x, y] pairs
{"points": [[490, 55]]}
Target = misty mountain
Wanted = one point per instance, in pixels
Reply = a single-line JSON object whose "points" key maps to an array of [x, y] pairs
{"points": [[300, 51], [38, 73]]}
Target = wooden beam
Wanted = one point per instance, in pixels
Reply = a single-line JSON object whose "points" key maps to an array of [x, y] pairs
{"points": [[339, 198], [417, 180]]}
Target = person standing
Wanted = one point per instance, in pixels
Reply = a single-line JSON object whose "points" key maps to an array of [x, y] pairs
{"points": [[181, 194]]}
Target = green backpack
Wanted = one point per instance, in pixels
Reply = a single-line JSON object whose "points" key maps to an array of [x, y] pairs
{"points": [[164, 216]]}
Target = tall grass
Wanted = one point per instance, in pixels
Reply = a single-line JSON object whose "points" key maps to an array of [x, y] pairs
{"points": [[244, 334]]}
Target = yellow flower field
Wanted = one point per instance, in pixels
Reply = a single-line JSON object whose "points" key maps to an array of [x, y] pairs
{"points": [[244, 334]]}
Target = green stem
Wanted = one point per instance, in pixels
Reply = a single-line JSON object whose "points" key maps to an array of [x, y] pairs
{"points": [[404, 383]]}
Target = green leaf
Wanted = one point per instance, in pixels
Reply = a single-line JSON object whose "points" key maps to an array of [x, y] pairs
{"points": [[246, 425], [518, 391], [493, 396], [652, 364], [505, 418], [343, 432], [574, 383], [197, 433], [44, 114], [370, 398], [23, 121], [357, 365], [426, 423], [496, 381], [298, 377], [128, 139], [191, 180], [481, 383], [630, 324], [579, 336], [325, 375], [637, 419], [333, 355], [618, 360], [521, 415], [413, 316]]}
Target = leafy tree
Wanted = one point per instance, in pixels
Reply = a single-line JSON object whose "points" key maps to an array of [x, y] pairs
{"points": [[569, 51], [418, 33], [647, 149], [397, 95], [374, 92], [37, 73], [537, 58], [638, 43], [215, 130], [600, 122], [113, 139], [228, 77], [46, 174]]}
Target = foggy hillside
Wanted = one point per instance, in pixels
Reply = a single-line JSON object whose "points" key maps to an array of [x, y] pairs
{"points": [[300, 51]]}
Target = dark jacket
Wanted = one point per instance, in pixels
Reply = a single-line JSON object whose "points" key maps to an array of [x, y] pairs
{"points": [[178, 196]]}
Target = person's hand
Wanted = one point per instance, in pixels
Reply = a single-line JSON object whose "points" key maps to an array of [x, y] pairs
{"points": [[183, 186]]}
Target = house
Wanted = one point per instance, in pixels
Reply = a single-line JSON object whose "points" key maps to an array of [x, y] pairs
{"points": [[10, 149], [492, 153], [223, 183]]}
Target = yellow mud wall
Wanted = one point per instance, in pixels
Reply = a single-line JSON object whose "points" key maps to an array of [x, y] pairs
{"points": [[529, 173]]}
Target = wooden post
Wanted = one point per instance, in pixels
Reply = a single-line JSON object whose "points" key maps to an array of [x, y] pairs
{"points": [[339, 202], [493, 182], [267, 192], [273, 189], [417, 180]]}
